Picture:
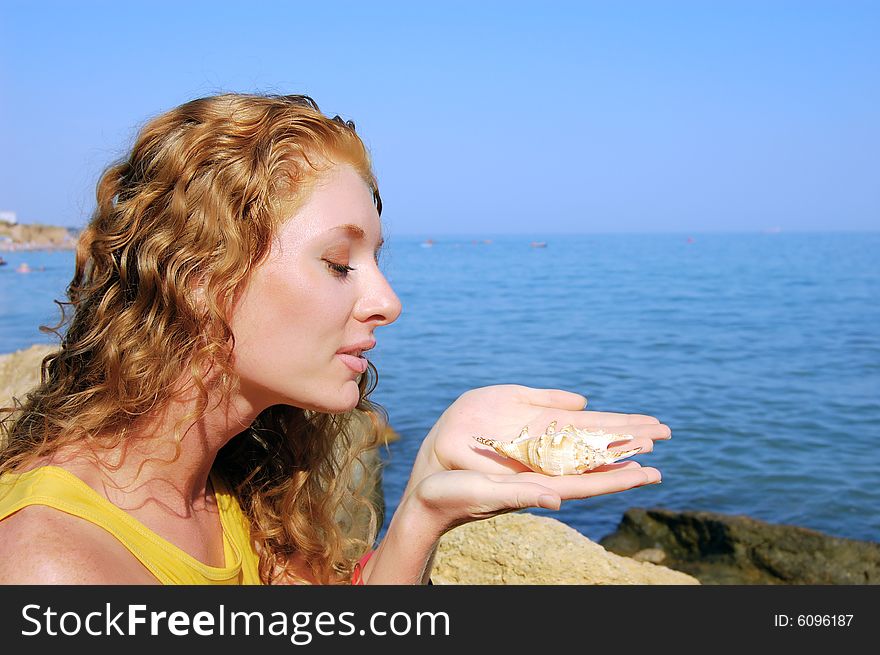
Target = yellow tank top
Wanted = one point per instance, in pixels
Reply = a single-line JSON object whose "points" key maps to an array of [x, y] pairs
{"points": [[56, 487]]}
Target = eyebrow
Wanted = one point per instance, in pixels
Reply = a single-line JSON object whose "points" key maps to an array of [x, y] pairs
{"points": [[357, 232]]}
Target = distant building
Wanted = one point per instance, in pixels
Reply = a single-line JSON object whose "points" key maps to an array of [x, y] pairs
{"points": [[8, 217]]}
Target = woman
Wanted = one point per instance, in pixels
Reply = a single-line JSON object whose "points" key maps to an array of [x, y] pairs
{"points": [[203, 419]]}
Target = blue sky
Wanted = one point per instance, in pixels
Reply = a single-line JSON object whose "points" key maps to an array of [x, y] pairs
{"points": [[483, 118]]}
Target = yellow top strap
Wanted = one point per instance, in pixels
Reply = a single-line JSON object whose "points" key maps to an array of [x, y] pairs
{"points": [[58, 488]]}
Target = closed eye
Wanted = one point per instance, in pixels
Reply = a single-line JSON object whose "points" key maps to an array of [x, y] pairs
{"points": [[340, 270]]}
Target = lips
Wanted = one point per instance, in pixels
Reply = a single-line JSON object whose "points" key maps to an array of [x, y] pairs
{"points": [[356, 349], [352, 356], [356, 364]]}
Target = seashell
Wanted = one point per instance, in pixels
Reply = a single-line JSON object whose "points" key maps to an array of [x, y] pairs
{"points": [[568, 452]]}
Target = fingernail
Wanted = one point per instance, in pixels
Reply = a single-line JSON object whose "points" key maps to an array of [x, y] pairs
{"points": [[548, 502]]}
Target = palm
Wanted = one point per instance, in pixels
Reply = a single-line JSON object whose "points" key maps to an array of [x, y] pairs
{"points": [[501, 411]]}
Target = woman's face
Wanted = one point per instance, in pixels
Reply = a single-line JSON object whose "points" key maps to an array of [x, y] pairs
{"points": [[302, 307]]}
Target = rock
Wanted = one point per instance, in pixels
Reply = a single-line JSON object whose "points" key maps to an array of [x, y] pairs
{"points": [[653, 555], [20, 372], [521, 548], [723, 549], [36, 236]]}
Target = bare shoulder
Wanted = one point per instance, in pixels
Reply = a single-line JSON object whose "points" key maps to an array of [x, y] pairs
{"points": [[42, 545]]}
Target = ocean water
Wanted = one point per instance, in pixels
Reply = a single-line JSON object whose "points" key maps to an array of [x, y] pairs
{"points": [[760, 351]]}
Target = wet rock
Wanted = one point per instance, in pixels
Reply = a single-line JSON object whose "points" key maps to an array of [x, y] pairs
{"points": [[725, 549]]}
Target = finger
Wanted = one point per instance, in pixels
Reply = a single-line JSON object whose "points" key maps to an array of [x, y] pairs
{"points": [[556, 398], [644, 444], [643, 436], [519, 495], [616, 466], [596, 484], [603, 419], [640, 426], [652, 431]]}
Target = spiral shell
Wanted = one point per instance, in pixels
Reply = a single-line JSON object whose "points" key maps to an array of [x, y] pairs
{"points": [[567, 452]]}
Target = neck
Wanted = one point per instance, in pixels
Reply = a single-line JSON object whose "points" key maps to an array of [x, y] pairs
{"points": [[166, 456]]}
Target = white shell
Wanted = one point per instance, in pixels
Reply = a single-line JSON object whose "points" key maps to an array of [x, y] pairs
{"points": [[568, 452]]}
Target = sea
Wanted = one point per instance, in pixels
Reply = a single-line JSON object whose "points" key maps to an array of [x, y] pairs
{"points": [[761, 351]]}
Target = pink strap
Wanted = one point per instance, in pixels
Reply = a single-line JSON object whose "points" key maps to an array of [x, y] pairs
{"points": [[357, 574]]}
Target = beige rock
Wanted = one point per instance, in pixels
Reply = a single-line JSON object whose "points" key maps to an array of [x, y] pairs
{"points": [[20, 372], [653, 555], [35, 236], [521, 548]]}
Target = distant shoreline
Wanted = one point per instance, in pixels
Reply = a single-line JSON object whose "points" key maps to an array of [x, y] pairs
{"points": [[30, 247], [36, 236]]}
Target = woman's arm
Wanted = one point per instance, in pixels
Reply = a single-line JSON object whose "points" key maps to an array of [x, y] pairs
{"points": [[448, 499], [406, 553], [454, 482]]}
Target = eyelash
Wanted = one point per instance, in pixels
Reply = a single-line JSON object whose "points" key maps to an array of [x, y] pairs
{"points": [[340, 270]]}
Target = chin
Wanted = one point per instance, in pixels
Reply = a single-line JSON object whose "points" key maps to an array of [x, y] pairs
{"points": [[345, 401]]}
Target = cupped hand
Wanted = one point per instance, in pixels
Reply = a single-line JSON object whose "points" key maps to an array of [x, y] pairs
{"points": [[455, 480], [501, 411], [453, 498]]}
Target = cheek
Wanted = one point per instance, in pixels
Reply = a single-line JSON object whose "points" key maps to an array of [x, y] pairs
{"points": [[298, 304], [285, 316]]}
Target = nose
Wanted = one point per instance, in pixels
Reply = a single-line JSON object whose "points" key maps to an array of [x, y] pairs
{"points": [[378, 304]]}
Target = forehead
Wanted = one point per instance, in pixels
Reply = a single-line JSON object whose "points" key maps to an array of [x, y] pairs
{"points": [[339, 205]]}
